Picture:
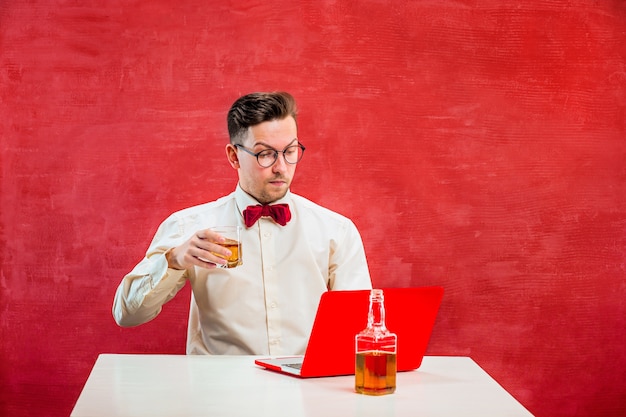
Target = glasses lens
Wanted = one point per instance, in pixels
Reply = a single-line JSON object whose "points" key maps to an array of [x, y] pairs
{"points": [[293, 154], [267, 158]]}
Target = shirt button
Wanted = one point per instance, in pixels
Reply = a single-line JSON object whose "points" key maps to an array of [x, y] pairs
{"points": [[273, 305]]}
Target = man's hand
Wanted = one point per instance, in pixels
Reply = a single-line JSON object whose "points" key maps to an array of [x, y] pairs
{"points": [[199, 250]]}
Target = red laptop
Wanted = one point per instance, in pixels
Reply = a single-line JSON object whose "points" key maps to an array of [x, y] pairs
{"points": [[410, 313]]}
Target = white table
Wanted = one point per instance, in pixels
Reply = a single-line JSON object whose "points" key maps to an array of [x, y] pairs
{"points": [[223, 386]]}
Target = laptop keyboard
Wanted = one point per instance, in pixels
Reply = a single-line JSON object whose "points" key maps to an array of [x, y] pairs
{"points": [[294, 365]]}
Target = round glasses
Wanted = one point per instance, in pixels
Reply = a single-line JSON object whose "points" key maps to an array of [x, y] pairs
{"points": [[267, 157]]}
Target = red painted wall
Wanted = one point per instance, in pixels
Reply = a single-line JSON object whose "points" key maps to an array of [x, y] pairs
{"points": [[478, 145]]}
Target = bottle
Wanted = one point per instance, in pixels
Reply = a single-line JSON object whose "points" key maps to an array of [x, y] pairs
{"points": [[375, 370]]}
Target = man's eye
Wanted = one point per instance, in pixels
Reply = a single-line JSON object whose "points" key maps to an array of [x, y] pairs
{"points": [[266, 154]]}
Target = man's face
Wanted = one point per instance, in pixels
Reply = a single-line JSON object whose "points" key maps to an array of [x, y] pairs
{"points": [[267, 184]]}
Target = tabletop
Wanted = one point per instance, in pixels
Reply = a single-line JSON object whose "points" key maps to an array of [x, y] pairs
{"points": [[181, 385]]}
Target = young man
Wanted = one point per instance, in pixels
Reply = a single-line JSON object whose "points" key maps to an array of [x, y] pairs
{"points": [[267, 305]]}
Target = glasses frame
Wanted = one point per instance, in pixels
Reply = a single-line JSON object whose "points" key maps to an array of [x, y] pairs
{"points": [[256, 155]]}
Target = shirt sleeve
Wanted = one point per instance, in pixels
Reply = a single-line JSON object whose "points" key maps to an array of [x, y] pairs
{"points": [[141, 294], [348, 265]]}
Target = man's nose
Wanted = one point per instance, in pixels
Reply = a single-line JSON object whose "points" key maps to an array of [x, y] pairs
{"points": [[281, 164]]}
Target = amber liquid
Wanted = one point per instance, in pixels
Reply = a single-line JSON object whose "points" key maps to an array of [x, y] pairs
{"points": [[375, 373], [234, 259]]}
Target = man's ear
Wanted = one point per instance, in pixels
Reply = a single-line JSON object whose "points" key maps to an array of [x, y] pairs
{"points": [[231, 155]]}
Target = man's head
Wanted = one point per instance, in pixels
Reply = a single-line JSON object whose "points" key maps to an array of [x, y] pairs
{"points": [[264, 146]]}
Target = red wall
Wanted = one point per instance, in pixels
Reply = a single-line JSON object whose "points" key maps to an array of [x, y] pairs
{"points": [[478, 145]]}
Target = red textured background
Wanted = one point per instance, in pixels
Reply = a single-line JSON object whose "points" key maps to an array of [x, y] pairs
{"points": [[478, 145]]}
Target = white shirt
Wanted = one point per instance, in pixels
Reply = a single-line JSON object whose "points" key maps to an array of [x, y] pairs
{"points": [[265, 306]]}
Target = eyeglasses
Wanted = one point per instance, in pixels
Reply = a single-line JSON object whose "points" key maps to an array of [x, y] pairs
{"points": [[267, 157]]}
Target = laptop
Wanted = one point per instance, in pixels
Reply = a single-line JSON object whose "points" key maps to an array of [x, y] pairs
{"points": [[410, 313]]}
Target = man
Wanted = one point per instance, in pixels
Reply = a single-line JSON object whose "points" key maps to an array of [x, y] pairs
{"points": [[267, 305]]}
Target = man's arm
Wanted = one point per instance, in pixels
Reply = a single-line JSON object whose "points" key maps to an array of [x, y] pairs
{"points": [[152, 282], [163, 272], [348, 268], [142, 293]]}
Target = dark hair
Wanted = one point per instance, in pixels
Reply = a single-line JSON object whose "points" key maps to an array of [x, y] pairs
{"points": [[255, 108]]}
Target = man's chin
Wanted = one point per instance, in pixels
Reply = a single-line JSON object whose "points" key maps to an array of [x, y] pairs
{"points": [[276, 194]]}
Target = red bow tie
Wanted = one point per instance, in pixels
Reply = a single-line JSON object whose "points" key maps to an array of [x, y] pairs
{"points": [[279, 212]]}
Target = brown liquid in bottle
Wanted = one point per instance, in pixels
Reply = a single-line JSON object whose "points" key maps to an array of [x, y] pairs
{"points": [[375, 373]]}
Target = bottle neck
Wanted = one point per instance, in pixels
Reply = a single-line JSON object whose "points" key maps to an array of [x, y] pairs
{"points": [[376, 316]]}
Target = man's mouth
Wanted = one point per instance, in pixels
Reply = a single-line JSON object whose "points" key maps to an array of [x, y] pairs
{"points": [[278, 181]]}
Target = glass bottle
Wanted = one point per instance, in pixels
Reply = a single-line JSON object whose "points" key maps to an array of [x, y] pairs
{"points": [[375, 370]]}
